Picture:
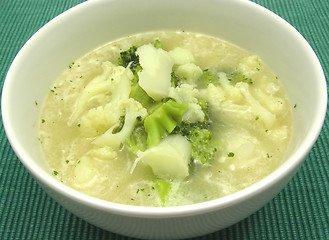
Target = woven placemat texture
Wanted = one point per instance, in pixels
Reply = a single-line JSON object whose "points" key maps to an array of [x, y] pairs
{"points": [[300, 211]]}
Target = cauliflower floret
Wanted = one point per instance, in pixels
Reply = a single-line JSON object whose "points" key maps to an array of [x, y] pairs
{"points": [[186, 93], [85, 171], [259, 111], [241, 149], [273, 104], [214, 95], [231, 92], [244, 112], [100, 119], [133, 109], [189, 71], [112, 84], [250, 66], [103, 153], [181, 56]]}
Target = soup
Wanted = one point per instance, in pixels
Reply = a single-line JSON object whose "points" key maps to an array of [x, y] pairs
{"points": [[165, 119]]}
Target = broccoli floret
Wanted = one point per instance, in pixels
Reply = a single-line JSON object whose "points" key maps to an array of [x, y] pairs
{"points": [[175, 80], [130, 57], [199, 135], [206, 78], [236, 77], [163, 121], [157, 44]]}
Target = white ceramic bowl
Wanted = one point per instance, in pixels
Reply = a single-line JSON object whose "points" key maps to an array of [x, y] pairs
{"points": [[96, 22]]}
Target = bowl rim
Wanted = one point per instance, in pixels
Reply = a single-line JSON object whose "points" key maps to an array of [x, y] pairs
{"points": [[281, 172]]}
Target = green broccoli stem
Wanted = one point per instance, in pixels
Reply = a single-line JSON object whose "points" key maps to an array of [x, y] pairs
{"points": [[163, 188], [137, 141], [163, 121], [141, 96]]}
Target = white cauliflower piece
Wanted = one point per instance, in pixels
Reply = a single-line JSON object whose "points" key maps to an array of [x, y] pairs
{"points": [[241, 150], [214, 95], [103, 153], [189, 71], [186, 93], [170, 158], [181, 56], [97, 120], [133, 110], [250, 66], [231, 92], [112, 84], [273, 104], [248, 112], [85, 171], [259, 111], [155, 78]]}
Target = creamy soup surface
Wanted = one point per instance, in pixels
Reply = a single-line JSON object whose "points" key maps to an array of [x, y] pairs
{"points": [[250, 121]]}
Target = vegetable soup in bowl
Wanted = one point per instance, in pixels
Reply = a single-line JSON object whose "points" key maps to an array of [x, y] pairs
{"points": [[170, 128]]}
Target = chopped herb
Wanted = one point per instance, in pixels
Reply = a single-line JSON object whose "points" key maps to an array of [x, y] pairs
{"points": [[43, 121], [230, 154], [266, 130], [132, 199], [67, 161], [36, 103], [138, 190], [55, 173], [78, 125], [257, 118], [52, 90], [71, 65], [268, 155], [295, 105]]}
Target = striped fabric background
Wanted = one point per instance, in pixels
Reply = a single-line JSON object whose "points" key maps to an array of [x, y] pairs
{"points": [[300, 211]]}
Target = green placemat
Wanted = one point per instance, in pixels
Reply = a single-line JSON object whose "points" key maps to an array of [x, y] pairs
{"points": [[300, 211]]}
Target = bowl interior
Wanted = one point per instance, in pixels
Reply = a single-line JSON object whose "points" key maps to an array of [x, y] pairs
{"points": [[94, 23]]}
